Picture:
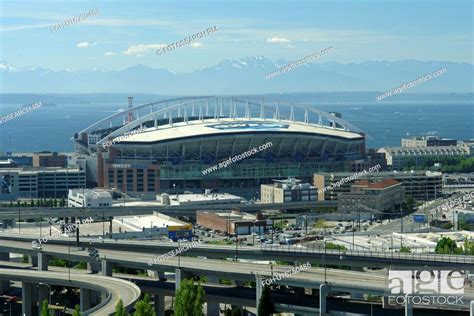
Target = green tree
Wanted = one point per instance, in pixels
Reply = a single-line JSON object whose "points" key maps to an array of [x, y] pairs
{"points": [[144, 308], [119, 309], [447, 246], [265, 305], [45, 309], [405, 249], [409, 203], [77, 311], [330, 245], [189, 299]]}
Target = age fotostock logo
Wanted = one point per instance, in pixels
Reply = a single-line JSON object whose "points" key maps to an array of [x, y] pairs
{"points": [[425, 287]]}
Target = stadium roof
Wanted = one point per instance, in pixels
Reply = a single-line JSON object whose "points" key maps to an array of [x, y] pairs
{"points": [[225, 126]]}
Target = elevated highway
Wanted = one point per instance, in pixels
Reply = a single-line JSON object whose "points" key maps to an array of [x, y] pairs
{"points": [[351, 258], [184, 210], [326, 280], [114, 289]]}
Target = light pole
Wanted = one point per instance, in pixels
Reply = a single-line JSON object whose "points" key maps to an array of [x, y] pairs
{"points": [[179, 252], [325, 266]]}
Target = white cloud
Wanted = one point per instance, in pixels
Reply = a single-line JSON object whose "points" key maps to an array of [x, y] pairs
{"points": [[141, 49], [277, 40], [196, 45], [83, 45], [109, 54], [290, 46]]}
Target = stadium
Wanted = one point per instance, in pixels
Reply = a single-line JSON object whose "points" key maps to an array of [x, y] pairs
{"points": [[164, 146]]}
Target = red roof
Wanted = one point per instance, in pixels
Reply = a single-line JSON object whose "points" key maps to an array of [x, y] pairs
{"points": [[377, 185]]}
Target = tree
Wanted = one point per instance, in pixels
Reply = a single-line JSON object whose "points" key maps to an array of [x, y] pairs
{"points": [[405, 249], [447, 246], [189, 299], [45, 308], [77, 311], [144, 308], [119, 309], [265, 305], [409, 203]]}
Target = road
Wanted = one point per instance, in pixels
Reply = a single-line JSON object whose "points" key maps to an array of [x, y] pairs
{"points": [[116, 289]]}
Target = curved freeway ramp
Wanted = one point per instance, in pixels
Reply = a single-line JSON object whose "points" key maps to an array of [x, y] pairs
{"points": [[115, 289]]}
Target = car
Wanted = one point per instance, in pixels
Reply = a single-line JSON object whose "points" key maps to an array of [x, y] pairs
{"points": [[93, 252], [35, 245]]}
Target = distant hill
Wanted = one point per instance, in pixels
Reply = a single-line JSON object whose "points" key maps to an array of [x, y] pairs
{"points": [[243, 76]]}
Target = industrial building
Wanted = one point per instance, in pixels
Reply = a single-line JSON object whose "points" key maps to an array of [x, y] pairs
{"points": [[289, 190], [89, 198], [180, 138], [398, 158], [153, 226], [49, 159], [28, 182], [379, 196], [421, 185], [233, 222], [427, 141], [206, 199]]}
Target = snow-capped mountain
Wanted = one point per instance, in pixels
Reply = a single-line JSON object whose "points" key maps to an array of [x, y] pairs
{"points": [[241, 76]]}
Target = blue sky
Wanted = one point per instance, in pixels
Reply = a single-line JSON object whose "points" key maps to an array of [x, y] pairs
{"points": [[126, 33]]}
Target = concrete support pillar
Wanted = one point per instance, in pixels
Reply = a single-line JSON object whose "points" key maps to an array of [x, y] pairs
{"points": [[107, 268], [159, 304], [472, 308], [27, 299], [43, 294], [408, 306], [4, 285], [86, 299], [43, 261], [323, 292], [258, 289], [178, 277], [33, 260], [93, 267]]}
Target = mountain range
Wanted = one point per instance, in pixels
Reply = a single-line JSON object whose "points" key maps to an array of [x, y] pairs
{"points": [[243, 76]]}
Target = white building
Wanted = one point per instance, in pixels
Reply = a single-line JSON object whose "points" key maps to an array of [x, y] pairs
{"points": [[289, 190], [89, 198]]}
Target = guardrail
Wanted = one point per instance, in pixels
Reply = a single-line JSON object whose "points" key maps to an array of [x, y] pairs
{"points": [[374, 254]]}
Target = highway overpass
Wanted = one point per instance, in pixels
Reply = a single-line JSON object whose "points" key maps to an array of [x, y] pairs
{"points": [[350, 258], [324, 280], [113, 288], [8, 213]]}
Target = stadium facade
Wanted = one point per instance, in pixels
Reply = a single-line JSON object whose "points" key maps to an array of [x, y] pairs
{"points": [[178, 139]]}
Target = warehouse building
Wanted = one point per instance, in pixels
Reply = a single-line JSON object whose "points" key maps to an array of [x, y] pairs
{"points": [[233, 222], [421, 185]]}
